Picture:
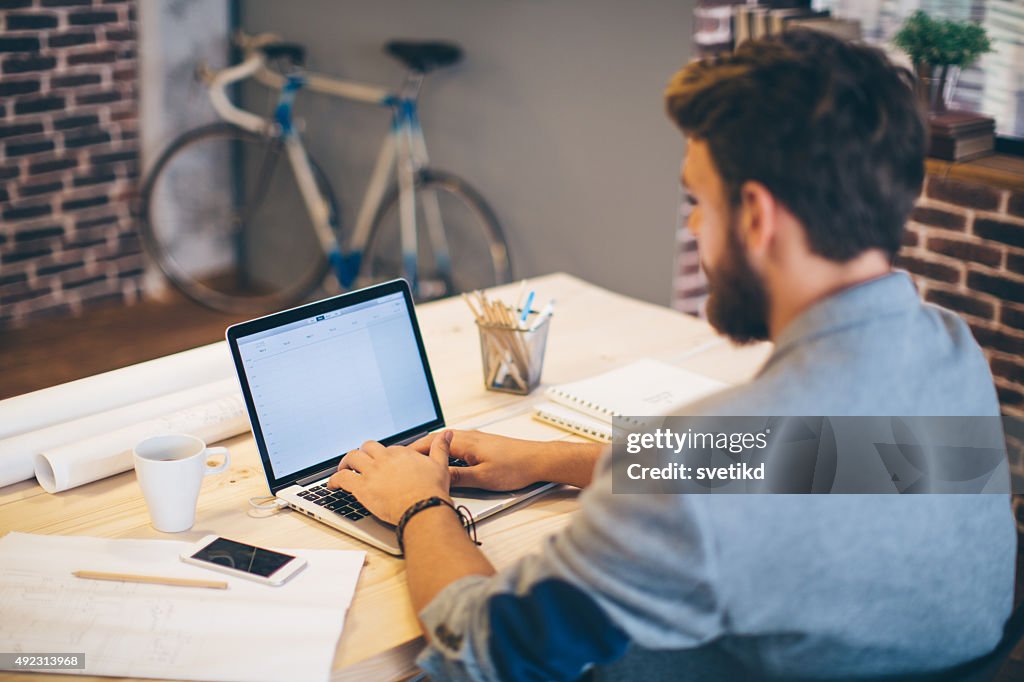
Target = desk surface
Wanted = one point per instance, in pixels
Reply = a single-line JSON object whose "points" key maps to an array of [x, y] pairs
{"points": [[593, 330]]}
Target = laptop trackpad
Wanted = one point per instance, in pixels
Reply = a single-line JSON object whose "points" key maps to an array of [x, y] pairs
{"points": [[483, 502]]}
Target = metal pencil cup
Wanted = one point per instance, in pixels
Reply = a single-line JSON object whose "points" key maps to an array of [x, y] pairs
{"points": [[513, 358]]}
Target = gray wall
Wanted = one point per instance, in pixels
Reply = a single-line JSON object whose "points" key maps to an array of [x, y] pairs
{"points": [[555, 115], [173, 38]]}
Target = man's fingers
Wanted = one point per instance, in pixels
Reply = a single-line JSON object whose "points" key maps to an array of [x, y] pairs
{"points": [[357, 460], [441, 447], [465, 477], [372, 448], [422, 445], [347, 480]]}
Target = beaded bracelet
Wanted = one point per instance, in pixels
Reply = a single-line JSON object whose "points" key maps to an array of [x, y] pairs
{"points": [[468, 522]]}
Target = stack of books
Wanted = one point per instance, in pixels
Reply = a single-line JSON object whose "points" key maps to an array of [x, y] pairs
{"points": [[757, 20], [960, 135]]}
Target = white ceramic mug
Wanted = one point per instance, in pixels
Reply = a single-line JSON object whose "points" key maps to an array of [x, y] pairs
{"points": [[170, 469]]}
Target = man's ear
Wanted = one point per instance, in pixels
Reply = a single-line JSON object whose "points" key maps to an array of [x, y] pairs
{"points": [[758, 219]]}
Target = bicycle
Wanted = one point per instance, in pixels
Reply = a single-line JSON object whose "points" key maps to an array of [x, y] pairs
{"points": [[228, 251]]}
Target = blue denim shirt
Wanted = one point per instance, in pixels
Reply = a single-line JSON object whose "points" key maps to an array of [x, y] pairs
{"points": [[789, 585]]}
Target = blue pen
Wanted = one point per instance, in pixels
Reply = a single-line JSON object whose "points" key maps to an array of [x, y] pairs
{"points": [[526, 308]]}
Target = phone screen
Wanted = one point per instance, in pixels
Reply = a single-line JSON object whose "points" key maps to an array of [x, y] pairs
{"points": [[242, 557]]}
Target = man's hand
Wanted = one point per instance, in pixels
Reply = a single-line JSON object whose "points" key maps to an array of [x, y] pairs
{"points": [[495, 462], [500, 463], [387, 481]]}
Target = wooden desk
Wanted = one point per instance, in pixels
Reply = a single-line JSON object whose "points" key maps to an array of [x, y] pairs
{"points": [[593, 330]]}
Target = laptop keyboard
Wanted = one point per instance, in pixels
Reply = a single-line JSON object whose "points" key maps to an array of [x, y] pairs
{"points": [[343, 502], [338, 501]]}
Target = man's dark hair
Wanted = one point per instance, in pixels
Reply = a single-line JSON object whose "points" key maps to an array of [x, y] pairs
{"points": [[832, 129]]}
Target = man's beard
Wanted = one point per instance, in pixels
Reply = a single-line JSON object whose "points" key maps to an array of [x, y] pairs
{"points": [[737, 303]]}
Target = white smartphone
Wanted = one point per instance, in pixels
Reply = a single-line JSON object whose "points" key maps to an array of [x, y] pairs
{"points": [[244, 561]]}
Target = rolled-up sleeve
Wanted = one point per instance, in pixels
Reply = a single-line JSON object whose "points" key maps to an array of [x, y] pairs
{"points": [[627, 568]]}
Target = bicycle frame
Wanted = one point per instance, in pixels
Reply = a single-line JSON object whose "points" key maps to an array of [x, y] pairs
{"points": [[403, 151]]}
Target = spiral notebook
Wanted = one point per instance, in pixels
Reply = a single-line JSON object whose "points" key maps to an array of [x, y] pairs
{"points": [[642, 388]]}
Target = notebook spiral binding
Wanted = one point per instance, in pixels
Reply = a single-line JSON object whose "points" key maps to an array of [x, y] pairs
{"points": [[554, 390], [581, 429]]}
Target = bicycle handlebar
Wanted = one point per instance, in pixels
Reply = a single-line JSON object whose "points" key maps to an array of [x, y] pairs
{"points": [[328, 86], [219, 97], [255, 65]]}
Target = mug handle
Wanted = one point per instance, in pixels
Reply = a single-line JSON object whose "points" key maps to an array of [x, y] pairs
{"points": [[213, 452]]}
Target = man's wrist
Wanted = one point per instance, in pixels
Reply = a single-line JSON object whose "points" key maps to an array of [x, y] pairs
{"points": [[423, 514], [408, 501], [571, 463]]}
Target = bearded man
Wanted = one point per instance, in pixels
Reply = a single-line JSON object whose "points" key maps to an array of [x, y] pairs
{"points": [[804, 158]]}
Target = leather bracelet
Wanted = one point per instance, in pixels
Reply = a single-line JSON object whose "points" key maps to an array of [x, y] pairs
{"points": [[464, 516]]}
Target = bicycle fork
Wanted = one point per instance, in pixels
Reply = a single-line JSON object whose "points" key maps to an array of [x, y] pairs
{"points": [[325, 225]]}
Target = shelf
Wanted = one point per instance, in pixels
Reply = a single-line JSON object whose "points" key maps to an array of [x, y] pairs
{"points": [[996, 170]]}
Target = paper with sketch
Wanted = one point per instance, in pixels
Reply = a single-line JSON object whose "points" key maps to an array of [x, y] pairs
{"points": [[17, 453], [80, 462], [249, 632]]}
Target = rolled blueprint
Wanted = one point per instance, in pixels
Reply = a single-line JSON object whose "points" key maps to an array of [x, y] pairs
{"points": [[17, 453], [116, 388], [91, 459]]}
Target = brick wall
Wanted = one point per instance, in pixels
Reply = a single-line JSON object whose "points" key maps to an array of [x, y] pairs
{"points": [[964, 245], [68, 157]]}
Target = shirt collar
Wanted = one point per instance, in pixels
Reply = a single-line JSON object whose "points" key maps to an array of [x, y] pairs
{"points": [[891, 293]]}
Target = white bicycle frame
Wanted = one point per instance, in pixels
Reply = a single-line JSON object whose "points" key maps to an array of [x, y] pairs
{"points": [[404, 150]]}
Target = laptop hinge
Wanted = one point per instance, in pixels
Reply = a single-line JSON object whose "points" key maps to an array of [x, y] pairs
{"points": [[412, 439], [323, 473]]}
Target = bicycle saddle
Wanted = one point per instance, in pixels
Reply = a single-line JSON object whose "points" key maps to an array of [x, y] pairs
{"points": [[424, 56]]}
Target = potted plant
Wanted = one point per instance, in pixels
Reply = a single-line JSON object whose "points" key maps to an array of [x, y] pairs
{"points": [[939, 48]]}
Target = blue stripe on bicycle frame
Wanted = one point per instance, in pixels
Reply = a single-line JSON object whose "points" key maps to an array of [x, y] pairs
{"points": [[551, 633], [345, 266], [405, 113], [409, 113], [286, 101]]}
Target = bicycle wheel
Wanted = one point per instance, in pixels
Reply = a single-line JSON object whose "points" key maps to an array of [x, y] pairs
{"points": [[223, 218], [463, 251]]}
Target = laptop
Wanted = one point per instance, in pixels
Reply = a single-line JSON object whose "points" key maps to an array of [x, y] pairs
{"points": [[321, 379]]}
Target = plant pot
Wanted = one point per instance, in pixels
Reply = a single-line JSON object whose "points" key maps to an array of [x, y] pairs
{"points": [[936, 84]]}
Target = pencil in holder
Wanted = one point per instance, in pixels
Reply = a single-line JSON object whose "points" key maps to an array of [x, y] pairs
{"points": [[513, 357]]}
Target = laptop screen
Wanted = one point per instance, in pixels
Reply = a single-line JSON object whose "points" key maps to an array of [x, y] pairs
{"points": [[322, 379]]}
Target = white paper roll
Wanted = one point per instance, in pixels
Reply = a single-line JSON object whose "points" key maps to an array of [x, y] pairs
{"points": [[117, 388], [17, 453], [91, 459]]}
